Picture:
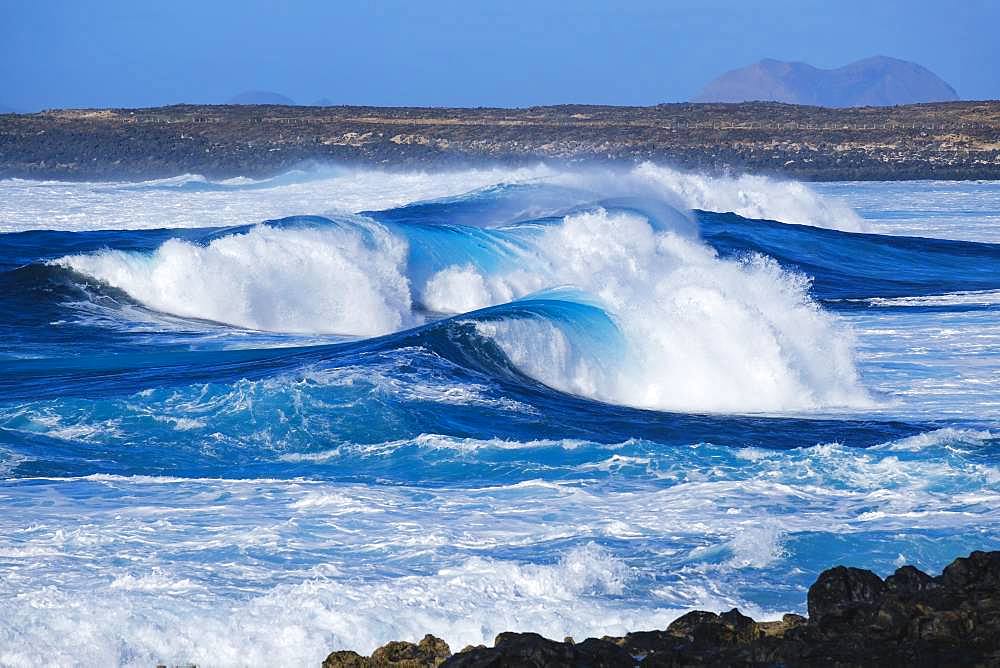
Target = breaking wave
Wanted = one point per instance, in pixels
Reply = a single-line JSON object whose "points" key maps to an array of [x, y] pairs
{"points": [[689, 331]]}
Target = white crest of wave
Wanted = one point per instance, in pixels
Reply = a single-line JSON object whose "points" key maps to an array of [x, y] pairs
{"points": [[336, 280], [702, 333], [458, 289], [751, 196], [463, 288]]}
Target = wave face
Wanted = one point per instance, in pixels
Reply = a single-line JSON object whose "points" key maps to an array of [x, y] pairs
{"points": [[336, 408]]}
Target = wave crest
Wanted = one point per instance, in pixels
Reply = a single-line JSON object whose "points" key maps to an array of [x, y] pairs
{"points": [[336, 279], [700, 333]]}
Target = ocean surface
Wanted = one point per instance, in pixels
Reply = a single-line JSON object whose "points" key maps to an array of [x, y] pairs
{"points": [[251, 422]]}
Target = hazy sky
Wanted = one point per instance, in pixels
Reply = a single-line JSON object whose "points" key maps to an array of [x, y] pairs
{"points": [[462, 53]]}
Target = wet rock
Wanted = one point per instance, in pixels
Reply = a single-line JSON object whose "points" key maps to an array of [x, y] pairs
{"points": [[908, 581], [532, 650], [910, 619], [778, 628], [978, 571], [845, 595], [429, 652], [707, 639], [346, 659]]}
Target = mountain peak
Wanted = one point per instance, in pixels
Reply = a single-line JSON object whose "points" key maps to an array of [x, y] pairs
{"points": [[874, 81]]}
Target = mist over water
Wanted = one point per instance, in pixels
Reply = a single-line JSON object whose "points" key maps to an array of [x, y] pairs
{"points": [[257, 421]]}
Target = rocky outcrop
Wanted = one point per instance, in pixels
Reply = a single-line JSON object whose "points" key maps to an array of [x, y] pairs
{"points": [[855, 619], [430, 652], [531, 649]]}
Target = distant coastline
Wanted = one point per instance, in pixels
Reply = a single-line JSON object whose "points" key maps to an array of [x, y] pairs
{"points": [[953, 140]]}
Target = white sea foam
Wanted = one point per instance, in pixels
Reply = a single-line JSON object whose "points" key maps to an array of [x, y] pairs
{"points": [[965, 298], [719, 525], [337, 280], [751, 196], [54, 205], [463, 288], [149, 620], [26, 205], [758, 545], [948, 437], [968, 210], [703, 334]]}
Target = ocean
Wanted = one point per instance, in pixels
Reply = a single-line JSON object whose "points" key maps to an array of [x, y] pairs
{"points": [[250, 422]]}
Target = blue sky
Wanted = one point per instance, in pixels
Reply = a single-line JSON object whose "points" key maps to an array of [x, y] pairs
{"points": [[462, 53]]}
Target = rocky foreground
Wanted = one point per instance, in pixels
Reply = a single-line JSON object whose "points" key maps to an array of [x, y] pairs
{"points": [[855, 619], [952, 140]]}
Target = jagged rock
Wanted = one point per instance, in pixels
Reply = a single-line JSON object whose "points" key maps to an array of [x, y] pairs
{"points": [[704, 638], [707, 629], [512, 650], [780, 627], [428, 653], [846, 595], [908, 581], [910, 619], [346, 659], [980, 570]]}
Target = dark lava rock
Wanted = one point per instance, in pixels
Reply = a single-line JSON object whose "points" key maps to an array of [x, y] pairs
{"points": [[845, 595], [855, 619], [910, 619], [978, 571], [512, 650], [908, 581]]}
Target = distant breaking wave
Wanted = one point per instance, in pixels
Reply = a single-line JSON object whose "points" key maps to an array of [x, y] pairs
{"points": [[194, 201]]}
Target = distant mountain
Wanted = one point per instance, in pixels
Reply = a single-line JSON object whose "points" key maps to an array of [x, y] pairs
{"points": [[261, 97], [324, 102], [878, 82], [8, 110]]}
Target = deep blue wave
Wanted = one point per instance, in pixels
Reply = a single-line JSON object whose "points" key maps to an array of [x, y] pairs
{"points": [[846, 265]]}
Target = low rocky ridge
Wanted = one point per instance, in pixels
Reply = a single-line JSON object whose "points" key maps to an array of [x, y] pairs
{"points": [[855, 619], [952, 140]]}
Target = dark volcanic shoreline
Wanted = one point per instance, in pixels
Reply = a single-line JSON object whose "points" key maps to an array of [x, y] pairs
{"points": [[955, 140], [855, 619]]}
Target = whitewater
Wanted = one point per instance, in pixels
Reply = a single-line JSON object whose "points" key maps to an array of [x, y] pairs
{"points": [[255, 421]]}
